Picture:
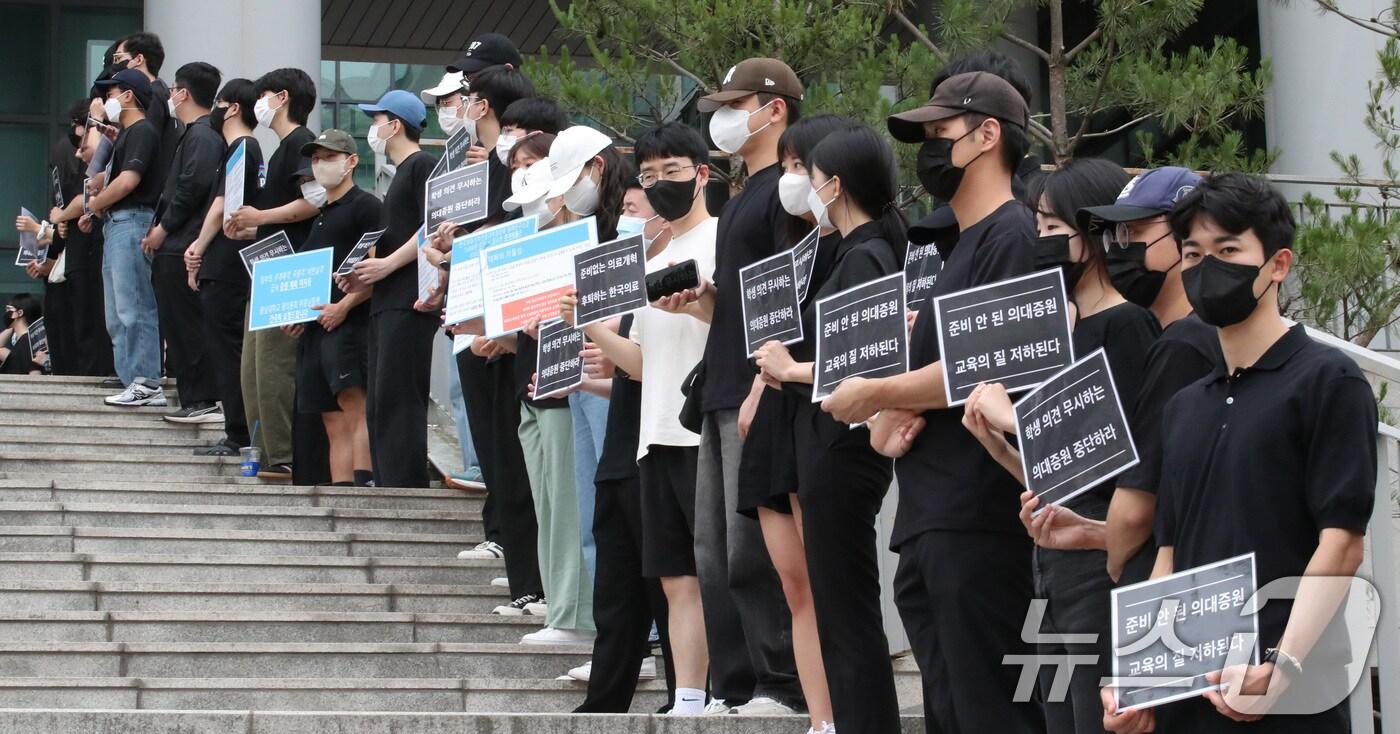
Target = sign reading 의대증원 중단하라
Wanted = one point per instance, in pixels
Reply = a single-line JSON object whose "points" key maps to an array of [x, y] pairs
{"points": [[359, 252], [768, 297], [610, 280], [921, 268], [273, 245], [804, 261], [458, 196], [1072, 432], [286, 288], [38, 337], [861, 333], [29, 249], [1015, 332], [558, 359], [464, 290], [454, 154], [1170, 632]]}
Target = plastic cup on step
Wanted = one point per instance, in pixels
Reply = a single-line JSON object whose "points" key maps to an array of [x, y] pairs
{"points": [[252, 461]]}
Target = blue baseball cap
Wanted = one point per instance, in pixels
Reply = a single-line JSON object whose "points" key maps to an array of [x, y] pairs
{"points": [[1149, 194], [403, 105]]}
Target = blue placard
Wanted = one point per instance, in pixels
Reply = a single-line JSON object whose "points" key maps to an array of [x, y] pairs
{"points": [[565, 235], [464, 282], [285, 288]]}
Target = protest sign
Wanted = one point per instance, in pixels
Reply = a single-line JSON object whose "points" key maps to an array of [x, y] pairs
{"points": [[522, 281], [29, 249], [610, 279], [861, 333], [558, 359], [921, 268], [804, 261], [458, 196], [454, 155], [464, 279], [769, 302], [359, 252], [38, 337], [274, 245], [235, 172], [285, 288]]}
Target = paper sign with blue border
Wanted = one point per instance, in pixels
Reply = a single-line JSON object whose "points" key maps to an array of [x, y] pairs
{"points": [[285, 288], [464, 288], [523, 280]]}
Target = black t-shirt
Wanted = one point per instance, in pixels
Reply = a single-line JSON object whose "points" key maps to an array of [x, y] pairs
{"points": [[20, 361], [401, 218], [1126, 333], [83, 248], [341, 224], [947, 481], [221, 260], [138, 149], [619, 459], [282, 187], [190, 185], [1265, 459], [752, 226]]}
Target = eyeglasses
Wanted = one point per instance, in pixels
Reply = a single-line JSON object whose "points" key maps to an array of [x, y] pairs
{"points": [[648, 179]]}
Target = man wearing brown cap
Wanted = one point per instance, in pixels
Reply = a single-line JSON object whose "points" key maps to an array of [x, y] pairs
{"points": [[964, 579], [746, 621]]}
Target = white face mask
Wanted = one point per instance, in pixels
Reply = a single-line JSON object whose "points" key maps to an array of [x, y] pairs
{"points": [[792, 192], [542, 210], [113, 109], [314, 193], [329, 173], [729, 128], [503, 145], [172, 105], [448, 119], [264, 111], [376, 143], [821, 209], [470, 122], [582, 197]]}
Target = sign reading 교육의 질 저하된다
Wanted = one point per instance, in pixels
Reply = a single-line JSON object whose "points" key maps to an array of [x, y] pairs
{"points": [[285, 288], [1015, 332], [861, 333], [610, 280], [558, 359]]}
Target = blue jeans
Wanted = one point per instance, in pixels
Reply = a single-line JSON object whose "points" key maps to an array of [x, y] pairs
{"points": [[459, 415], [590, 416], [130, 298]]}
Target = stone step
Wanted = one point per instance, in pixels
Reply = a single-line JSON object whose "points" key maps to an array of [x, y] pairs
{"points": [[236, 517], [33, 488], [246, 569], [225, 626], [116, 463], [154, 541], [82, 406], [58, 381], [113, 596], [103, 430], [64, 445]]}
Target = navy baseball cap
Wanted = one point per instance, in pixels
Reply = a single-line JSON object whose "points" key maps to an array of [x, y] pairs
{"points": [[1149, 194], [131, 79], [403, 105]]}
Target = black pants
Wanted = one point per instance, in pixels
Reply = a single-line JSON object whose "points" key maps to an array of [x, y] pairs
{"points": [[223, 305], [92, 345], [1077, 591], [624, 603], [963, 598], [401, 365], [182, 327], [493, 416], [58, 322]]}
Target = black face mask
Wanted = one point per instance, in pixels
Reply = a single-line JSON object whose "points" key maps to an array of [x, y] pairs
{"points": [[671, 199], [216, 119], [75, 139], [1222, 293], [1052, 251], [935, 167], [1127, 270]]}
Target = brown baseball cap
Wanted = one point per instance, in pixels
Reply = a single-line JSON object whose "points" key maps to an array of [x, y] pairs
{"points": [[975, 91], [338, 141], [751, 76]]}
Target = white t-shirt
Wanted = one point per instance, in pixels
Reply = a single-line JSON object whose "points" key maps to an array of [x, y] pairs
{"points": [[672, 344]]}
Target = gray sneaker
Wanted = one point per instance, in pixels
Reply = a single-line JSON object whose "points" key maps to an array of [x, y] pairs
{"points": [[197, 413], [137, 395]]}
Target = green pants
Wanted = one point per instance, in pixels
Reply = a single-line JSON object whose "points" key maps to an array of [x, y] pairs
{"points": [[269, 380], [547, 437]]}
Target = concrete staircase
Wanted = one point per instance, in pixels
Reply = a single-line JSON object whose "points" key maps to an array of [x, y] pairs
{"points": [[143, 589]]}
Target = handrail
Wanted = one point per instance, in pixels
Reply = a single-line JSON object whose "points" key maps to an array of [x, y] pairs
{"points": [[1380, 553], [1369, 360]]}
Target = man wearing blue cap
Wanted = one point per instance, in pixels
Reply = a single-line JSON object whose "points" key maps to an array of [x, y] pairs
{"points": [[401, 338]]}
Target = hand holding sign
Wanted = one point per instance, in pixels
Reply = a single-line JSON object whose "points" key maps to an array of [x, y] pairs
{"points": [[770, 302], [558, 359], [861, 335], [610, 280]]}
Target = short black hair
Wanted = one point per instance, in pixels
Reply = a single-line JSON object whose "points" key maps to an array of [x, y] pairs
{"points": [[239, 91], [33, 309], [991, 62], [1238, 202], [501, 86], [671, 140], [794, 105], [202, 81], [78, 112], [410, 130], [145, 44], [301, 91], [801, 139], [1013, 144], [535, 113]]}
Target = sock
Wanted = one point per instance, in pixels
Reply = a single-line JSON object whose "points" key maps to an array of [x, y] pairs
{"points": [[689, 702], [363, 477]]}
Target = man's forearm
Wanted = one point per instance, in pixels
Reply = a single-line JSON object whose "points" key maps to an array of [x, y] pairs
{"points": [[294, 211], [1322, 590], [624, 352], [919, 390], [115, 191]]}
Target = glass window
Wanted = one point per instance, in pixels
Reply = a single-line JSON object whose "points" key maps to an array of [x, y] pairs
{"points": [[363, 81], [416, 77], [26, 91], [327, 116], [84, 35], [22, 148], [327, 85]]}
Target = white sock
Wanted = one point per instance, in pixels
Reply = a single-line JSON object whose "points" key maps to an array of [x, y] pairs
{"points": [[689, 702]]}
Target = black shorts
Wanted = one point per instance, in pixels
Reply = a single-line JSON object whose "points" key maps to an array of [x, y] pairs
{"points": [[668, 511], [329, 362], [768, 460]]}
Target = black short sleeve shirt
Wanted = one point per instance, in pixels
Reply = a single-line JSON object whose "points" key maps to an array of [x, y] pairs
{"points": [[282, 186], [1265, 459], [947, 481], [138, 149], [221, 260], [340, 225], [401, 217], [619, 459]]}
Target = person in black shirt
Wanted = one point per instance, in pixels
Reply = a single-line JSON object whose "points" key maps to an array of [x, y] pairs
{"points": [[285, 98], [401, 338], [189, 186], [1274, 453], [964, 580], [215, 269], [16, 358]]}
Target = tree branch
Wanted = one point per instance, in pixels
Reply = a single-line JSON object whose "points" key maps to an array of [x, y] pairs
{"points": [[1042, 133], [917, 32], [1016, 40], [1106, 133], [1079, 47], [1098, 94], [1328, 6]]}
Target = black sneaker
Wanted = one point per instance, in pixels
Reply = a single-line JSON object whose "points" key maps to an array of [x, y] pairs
{"points": [[197, 413], [222, 448], [276, 471], [113, 383], [517, 607]]}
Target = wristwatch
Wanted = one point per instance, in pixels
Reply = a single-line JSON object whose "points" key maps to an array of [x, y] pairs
{"points": [[1289, 665]]}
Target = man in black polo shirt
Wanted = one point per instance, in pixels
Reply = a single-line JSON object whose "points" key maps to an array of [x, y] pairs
{"points": [[189, 186], [1274, 453], [333, 350], [964, 580]]}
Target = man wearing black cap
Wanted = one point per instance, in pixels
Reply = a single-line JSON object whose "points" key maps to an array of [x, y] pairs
{"points": [[127, 203], [485, 51], [964, 580]]}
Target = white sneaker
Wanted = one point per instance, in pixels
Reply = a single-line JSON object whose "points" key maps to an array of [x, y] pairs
{"points": [[537, 609], [716, 706], [487, 551], [516, 608], [581, 673], [763, 706], [648, 671], [827, 728], [501, 582], [137, 395], [551, 636]]}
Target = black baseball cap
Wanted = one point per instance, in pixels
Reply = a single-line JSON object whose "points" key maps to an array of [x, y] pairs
{"points": [[131, 79], [975, 91], [488, 49]]}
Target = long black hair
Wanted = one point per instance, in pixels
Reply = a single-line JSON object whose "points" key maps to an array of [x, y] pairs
{"points": [[32, 308], [617, 172], [869, 176], [798, 141], [1080, 183]]}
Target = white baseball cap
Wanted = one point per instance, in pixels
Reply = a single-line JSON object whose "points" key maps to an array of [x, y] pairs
{"points": [[451, 82], [537, 183], [571, 150]]}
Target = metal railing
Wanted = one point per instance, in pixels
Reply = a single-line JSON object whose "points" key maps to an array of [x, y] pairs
{"points": [[1380, 569]]}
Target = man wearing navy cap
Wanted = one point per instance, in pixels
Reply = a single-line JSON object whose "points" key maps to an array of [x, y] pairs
{"points": [[127, 204], [400, 337]]}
